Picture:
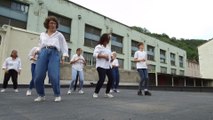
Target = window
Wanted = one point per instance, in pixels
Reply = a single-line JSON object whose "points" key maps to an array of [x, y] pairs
{"points": [[133, 65], [151, 68], [172, 59], [162, 56], [163, 70], [90, 60], [67, 59], [64, 25], [150, 53], [134, 47], [173, 71], [12, 22], [181, 72], [121, 62], [181, 61], [91, 36], [19, 7], [117, 43]]}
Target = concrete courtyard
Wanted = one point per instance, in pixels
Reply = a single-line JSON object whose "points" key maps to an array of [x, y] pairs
{"points": [[126, 105]]}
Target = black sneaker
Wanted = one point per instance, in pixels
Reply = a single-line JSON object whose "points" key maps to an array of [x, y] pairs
{"points": [[147, 93], [140, 93]]}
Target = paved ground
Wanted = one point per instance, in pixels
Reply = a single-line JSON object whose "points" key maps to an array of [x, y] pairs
{"points": [[125, 106]]}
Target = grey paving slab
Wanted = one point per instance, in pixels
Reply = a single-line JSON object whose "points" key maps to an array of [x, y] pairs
{"points": [[126, 105]]}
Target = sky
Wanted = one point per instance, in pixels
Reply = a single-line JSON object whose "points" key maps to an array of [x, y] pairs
{"points": [[189, 19]]}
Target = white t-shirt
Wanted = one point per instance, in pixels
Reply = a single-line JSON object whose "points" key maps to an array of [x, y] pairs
{"points": [[33, 54], [115, 63], [56, 39], [10, 64], [101, 62], [141, 55], [79, 65]]}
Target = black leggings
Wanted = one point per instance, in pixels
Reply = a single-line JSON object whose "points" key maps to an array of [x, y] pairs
{"points": [[102, 75], [14, 75]]}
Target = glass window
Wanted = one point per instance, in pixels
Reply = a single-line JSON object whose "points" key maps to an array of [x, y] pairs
{"points": [[117, 43], [121, 62], [90, 60], [181, 61], [12, 22], [172, 59], [150, 53], [64, 25], [151, 68], [162, 56], [19, 7], [91, 36], [134, 47], [67, 59], [163, 70], [182, 72], [173, 71]]}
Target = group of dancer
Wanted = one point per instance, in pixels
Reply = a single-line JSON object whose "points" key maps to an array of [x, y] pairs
{"points": [[47, 58]]}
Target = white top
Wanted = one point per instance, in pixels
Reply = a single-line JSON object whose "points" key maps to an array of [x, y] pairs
{"points": [[115, 62], [10, 64], [141, 55], [56, 39], [101, 62], [33, 54], [78, 65]]}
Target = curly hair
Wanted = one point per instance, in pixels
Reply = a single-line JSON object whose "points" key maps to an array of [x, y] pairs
{"points": [[48, 19]]}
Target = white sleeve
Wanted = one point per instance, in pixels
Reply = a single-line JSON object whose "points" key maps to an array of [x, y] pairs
{"points": [[19, 64], [136, 55], [73, 57], [63, 46], [97, 51], [4, 66], [31, 53]]}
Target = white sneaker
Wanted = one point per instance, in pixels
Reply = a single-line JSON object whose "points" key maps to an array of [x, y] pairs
{"points": [[16, 90], [69, 92], [109, 95], [81, 92], [95, 95], [111, 91], [39, 99], [3, 90], [57, 99], [28, 93]]}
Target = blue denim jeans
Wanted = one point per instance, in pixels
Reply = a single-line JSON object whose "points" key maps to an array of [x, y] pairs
{"points": [[81, 78], [116, 77], [48, 61], [31, 86], [144, 83]]}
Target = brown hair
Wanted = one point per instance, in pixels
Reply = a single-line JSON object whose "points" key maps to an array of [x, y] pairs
{"points": [[48, 19], [11, 55], [105, 37], [139, 44], [78, 49]]}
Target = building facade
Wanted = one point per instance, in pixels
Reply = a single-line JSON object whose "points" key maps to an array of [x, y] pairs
{"points": [[206, 59], [83, 27]]}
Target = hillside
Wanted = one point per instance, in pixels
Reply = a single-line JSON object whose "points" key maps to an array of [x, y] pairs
{"points": [[189, 45]]}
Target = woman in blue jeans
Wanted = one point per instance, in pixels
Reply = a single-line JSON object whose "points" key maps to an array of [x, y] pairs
{"points": [[115, 73], [33, 55], [51, 44]]}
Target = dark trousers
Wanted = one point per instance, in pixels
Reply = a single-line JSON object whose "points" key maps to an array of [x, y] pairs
{"points": [[102, 75], [14, 75], [116, 78]]}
